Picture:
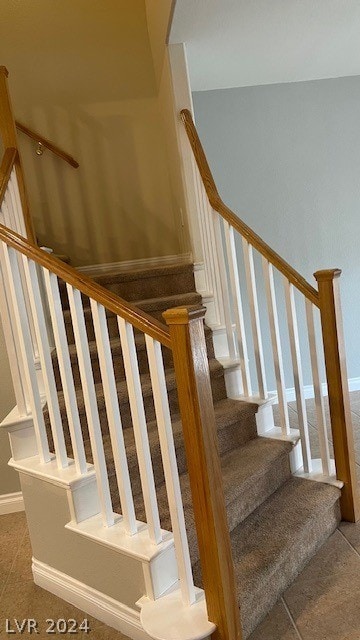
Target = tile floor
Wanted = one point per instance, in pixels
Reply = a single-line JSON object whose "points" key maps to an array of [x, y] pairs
{"points": [[322, 604], [20, 598]]}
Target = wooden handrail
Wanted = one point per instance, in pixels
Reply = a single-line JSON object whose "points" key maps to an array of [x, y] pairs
{"points": [[138, 318], [216, 202], [203, 461], [338, 391], [9, 139], [6, 168], [47, 144]]}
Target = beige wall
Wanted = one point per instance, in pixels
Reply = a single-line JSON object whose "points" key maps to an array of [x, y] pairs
{"points": [[82, 73], [159, 14]]}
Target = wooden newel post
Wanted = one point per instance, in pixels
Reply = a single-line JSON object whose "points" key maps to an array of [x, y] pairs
{"points": [[339, 401], [9, 139], [200, 437]]}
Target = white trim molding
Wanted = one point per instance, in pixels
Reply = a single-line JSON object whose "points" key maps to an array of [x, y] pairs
{"points": [[11, 503], [133, 265], [95, 603], [354, 385]]}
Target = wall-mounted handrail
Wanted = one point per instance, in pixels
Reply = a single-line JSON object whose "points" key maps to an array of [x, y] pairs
{"points": [[139, 319], [218, 205], [47, 144]]}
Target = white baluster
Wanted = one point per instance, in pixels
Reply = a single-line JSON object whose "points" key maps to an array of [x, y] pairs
{"points": [[276, 345], [20, 224], [318, 392], [13, 348], [238, 308], [13, 284], [35, 300], [6, 211], [15, 225], [255, 320], [210, 254], [67, 379], [171, 472], [9, 207], [12, 207], [298, 376], [204, 212], [113, 414], [226, 303], [140, 429], [91, 408]]}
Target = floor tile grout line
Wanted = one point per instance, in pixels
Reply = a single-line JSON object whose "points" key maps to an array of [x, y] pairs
{"points": [[349, 543], [314, 426], [291, 618]]}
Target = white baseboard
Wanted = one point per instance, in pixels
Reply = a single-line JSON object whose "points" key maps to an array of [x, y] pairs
{"points": [[141, 263], [95, 603], [354, 385], [11, 503]]}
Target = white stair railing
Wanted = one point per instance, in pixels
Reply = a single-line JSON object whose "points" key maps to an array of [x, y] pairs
{"points": [[14, 289], [113, 415], [245, 324], [22, 264], [66, 374], [265, 334]]}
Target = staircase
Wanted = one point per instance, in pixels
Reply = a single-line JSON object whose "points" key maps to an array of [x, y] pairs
{"points": [[158, 497], [276, 521]]}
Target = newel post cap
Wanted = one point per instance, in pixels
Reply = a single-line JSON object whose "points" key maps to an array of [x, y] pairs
{"points": [[327, 274], [184, 315]]}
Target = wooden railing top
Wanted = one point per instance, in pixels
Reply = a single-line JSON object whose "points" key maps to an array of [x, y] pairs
{"points": [[47, 144], [138, 318], [216, 202]]}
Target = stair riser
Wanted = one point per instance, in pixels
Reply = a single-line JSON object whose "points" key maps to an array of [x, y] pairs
{"points": [[111, 322], [244, 504], [218, 390], [119, 364], [141, 288], [248, 500], [237, 509], [228, 439]]}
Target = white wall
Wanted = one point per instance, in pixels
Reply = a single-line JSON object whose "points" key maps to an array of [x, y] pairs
{"points": [[286, 158]]}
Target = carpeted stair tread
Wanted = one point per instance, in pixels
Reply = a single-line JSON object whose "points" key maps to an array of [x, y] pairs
{"points": [[129, 275], [116, 350], [153, 306], [250, 474], [143, 284], [236, 425], [273, 544], [168, 302], [216, 372]]}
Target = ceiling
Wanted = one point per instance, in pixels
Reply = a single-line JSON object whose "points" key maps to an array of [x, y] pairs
{"points": [[234, 43]]}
